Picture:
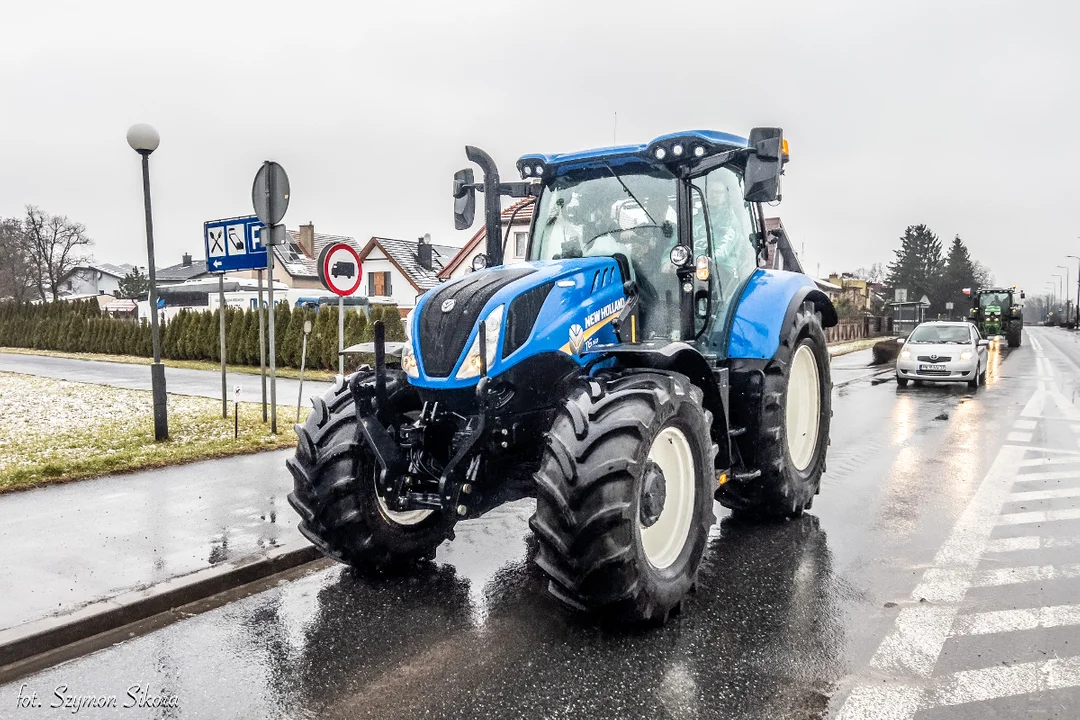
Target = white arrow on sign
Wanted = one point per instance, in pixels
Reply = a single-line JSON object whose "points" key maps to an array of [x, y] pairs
{"points": [[217, 263]]}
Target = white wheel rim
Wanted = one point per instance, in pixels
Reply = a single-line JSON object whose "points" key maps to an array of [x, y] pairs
{"points": [[803, 413], [663, 541], [407, 517]]}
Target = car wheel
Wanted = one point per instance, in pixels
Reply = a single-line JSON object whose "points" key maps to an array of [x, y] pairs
{"points": [[901, 381]]}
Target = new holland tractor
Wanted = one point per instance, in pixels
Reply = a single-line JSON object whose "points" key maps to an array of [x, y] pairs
{"points": [[998, 311], [638, 364]]}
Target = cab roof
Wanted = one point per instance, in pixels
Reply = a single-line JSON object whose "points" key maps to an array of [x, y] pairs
{"points": [[712, 141]]}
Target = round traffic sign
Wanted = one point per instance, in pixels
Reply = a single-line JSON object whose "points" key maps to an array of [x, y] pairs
{"points": [[270, 193], [339, 268]]}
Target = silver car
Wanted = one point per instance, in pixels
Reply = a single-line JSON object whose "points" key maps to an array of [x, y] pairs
{"points": [[943, 352]]}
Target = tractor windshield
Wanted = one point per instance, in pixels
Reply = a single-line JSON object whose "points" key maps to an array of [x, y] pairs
{"points": [[603, 211], [1000, 300]]}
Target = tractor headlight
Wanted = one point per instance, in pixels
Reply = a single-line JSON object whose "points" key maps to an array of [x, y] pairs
{"points": [[470, 368], [905, 355], [966, 355], [408, 361], [479, 262]]}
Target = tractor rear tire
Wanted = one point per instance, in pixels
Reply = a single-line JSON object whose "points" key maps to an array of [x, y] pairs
{"points": [[335, 494], [1015, 333], [624, 495], [787, 444]]}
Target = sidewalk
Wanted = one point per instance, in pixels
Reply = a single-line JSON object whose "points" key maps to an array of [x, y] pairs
{"points": [[66, 546], [856, 366]]}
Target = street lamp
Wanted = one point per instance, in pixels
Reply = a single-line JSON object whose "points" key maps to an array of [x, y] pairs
{"points": [[1077, 258], [144, 140], [1065, 292]]}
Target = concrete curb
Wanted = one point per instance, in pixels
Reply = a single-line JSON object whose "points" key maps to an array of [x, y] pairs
{"points": [[42, 636]]}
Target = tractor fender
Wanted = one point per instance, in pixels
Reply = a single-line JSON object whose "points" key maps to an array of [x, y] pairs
{"points": [[767, 304], [682, 358]]}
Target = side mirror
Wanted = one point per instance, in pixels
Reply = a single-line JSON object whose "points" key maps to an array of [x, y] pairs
{"points": [[984, 343], [764, 165], [901, 341], [464, 199], [1021, 296]]}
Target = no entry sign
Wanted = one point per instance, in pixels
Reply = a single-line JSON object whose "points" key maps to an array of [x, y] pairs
{"points": [[339, 269]]}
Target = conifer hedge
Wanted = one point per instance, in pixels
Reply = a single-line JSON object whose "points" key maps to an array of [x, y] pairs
{"points": [[81, 326]]}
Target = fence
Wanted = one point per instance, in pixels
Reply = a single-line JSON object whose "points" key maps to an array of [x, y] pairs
{"points": [[868, 327]]}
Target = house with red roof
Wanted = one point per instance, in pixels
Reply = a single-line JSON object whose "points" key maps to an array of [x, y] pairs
{"points": [[516, 220]]}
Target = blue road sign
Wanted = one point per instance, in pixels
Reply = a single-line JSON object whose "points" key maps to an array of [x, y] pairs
{"points": [[234, 244]]}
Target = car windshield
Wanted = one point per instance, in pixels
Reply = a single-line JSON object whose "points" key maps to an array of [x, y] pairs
{"points": [[936, 334], [994, 300]]}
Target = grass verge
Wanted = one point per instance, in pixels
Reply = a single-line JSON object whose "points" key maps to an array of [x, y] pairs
{"points": [[56, 431], [293, 373]]}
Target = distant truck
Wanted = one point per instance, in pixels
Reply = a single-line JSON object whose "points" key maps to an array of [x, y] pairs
{"points": [[998, 311]]}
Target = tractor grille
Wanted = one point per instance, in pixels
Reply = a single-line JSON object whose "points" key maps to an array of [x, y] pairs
{"points": [[443, 334], [939, 359], [521, 316]]}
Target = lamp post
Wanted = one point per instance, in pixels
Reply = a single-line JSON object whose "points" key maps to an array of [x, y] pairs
{"points": [[144, 140], [1077, 258], [1065, 291], [1052, 288]]}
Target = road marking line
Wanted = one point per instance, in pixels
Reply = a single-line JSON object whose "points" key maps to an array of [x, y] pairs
{"points": [[1030, 542], [1054, 494], [1036, 462], [1053, 450], [1049, 475], [1018, 437], [913, 647], [999, 621], [1032, 573], [1039, 516], [881, 702], [1025, 424], [968, 686]]}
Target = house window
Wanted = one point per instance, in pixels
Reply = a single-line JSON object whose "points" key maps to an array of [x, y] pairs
{"points": [[521, 244], [379, 284]]}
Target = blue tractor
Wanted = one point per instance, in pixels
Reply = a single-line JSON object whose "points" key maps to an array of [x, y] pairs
{"points": [[637, 365]]}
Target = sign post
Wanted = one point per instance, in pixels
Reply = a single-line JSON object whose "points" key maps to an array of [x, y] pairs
{"points": [[340, 272], [236, 412], [303, 361], [221, 344], [262, 344], [270, 198]]}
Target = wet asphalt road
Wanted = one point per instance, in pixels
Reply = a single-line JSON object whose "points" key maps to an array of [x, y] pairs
{"points": [[178, 381], [892, 599]]}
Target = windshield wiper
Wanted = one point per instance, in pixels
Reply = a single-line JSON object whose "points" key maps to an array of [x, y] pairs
{"points": [[632, 196]]}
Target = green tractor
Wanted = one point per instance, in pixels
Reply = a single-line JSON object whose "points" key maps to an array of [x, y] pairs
{"points": [[997, 311]]}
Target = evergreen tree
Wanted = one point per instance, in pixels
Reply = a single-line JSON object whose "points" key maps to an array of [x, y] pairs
{"points": [[282, 316], [251, 336], [918, 265], [294, 337], [959, 274], [133, 286]]}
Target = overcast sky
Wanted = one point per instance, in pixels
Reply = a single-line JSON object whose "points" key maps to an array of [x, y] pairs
{"points": [[960, 115]]}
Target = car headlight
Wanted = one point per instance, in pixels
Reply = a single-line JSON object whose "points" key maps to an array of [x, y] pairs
{"points": [[966, 355], [408, 361], [905, 355], [492, 327]]}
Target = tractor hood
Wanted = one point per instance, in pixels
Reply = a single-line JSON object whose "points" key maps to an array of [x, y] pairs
{"points": [[529, 308]]}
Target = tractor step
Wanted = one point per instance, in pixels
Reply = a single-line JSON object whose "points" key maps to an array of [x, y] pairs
{"points": [[746, 476], [736, 432]]}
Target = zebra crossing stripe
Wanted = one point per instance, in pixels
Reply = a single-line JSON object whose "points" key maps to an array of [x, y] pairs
{"points": [[1031, 542], [968, 686], [1017, 575], [1054, 494], [1039, 516], [1000, 621]]}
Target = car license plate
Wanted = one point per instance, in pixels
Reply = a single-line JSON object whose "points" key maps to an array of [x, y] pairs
{"points": [[931, 368]]}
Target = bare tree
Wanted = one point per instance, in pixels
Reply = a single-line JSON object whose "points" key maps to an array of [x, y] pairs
{"points": [[57, 246], [16, 277]]}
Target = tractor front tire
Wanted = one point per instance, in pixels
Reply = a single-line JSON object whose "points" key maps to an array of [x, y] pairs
{"points": [[624, 495], [788, 441], [341, 511], [1015, 333]]}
